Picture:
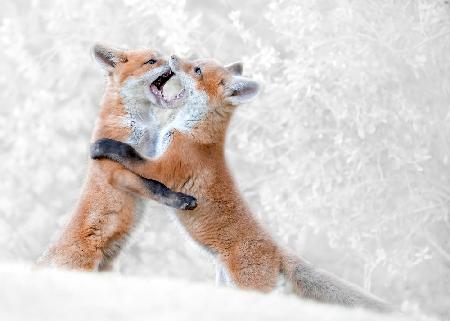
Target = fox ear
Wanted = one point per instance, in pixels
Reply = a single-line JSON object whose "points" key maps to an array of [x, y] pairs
{"points": [[107, 57], [241, 90], [235, 68]]}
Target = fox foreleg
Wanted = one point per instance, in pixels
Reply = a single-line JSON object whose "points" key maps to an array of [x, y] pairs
{"points": [[133, 180], [148, 188], [127, 156]]}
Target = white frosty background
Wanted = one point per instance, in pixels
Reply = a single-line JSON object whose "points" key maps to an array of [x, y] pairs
{"points": [[344, 156]]}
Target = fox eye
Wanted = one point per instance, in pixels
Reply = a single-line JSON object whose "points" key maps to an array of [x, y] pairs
{"points": [[150, 62], [197, 70]]}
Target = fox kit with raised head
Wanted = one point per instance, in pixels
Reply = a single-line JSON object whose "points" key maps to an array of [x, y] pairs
{"points": [[106, 210], [192, 160]]}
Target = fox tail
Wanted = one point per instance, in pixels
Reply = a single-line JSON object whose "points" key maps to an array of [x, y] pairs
{"points": [[310, 282]]}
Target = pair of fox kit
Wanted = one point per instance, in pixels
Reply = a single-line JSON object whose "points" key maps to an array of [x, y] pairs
{"points": [[137, 157]]}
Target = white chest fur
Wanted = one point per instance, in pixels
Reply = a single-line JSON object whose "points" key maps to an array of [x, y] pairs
{"points": [[141, 116]]}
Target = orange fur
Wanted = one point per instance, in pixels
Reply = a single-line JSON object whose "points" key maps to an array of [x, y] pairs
{"points": [[194, 162], [105, 212]]}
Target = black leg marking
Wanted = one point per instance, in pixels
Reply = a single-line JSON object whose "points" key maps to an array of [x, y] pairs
{"points": [[114, 150], [168, 197], [122, 153]]}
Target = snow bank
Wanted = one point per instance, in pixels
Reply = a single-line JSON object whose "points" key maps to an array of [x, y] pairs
{"points": [[39, 294]]}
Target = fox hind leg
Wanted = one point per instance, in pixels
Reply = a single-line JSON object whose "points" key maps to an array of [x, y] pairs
{"points": [[222, 277]]}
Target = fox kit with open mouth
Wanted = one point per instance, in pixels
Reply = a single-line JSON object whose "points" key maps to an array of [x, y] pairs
{"points": [[191, 159], [107, 209]]}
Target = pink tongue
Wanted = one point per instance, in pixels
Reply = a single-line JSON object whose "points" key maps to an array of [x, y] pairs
{"points": [[160, 94], [155, 91]]}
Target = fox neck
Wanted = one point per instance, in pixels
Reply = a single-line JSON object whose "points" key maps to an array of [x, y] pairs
{"points": [[140, 116], [213, 129], [126, 115], [201, 121], [135, 101]]}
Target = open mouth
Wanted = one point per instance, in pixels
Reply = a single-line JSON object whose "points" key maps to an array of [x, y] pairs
{"points": [[157, 90]]}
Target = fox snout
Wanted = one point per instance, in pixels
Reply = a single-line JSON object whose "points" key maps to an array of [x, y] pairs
{"points": [[174, 63]]}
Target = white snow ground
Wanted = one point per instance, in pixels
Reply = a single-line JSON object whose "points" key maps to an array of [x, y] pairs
{"points": [[28, 293]]}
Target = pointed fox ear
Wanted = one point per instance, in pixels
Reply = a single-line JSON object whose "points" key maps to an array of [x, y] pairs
{"points": [[235, 68], [107, 57], [241, 90]]}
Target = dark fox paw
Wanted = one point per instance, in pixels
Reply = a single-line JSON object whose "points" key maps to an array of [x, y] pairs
{"points": [[168, 197], [186, 202], [114, 150]]}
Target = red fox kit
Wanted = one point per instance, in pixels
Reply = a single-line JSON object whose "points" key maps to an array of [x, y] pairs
{"points": [[191, 159], [106, 210]]}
